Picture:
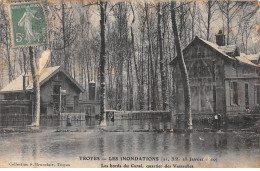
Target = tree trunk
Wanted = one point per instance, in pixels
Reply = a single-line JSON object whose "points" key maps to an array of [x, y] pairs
{"points": [[102, 61], [209, 18], [142, 103], [7, 36], [151, 76], [228, 22], [64, 36], [183, 70], [163, 80], [137, 72], [36, 90]]}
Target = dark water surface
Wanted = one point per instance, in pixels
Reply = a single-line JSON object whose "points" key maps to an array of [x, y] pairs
{"points": [[55, 142]]}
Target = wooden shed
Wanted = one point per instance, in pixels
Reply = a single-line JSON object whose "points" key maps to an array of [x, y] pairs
{"points": [[59, 93]]}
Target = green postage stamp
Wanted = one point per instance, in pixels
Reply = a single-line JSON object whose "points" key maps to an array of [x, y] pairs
{"points": [[28, 24]]}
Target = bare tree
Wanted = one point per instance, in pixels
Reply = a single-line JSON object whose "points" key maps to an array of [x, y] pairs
{"points": [[210, 10], [229, 10], [6, 41], [162, 68], [102, 60], [183, 70], [36, 90]]}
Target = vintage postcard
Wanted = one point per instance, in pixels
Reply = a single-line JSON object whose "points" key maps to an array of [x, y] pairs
{"points": [[129, 84]]}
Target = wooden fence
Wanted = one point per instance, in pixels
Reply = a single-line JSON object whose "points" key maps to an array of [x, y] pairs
{"points": [[16, 117], [73, 116], [142, 114]]}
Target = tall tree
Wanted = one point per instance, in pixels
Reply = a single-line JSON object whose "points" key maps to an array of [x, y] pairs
{"points": [[210, 10], [36, 90], [162, 72], [102, 59], [229, 10], [183, 70], [5, 39], [137, 72]]}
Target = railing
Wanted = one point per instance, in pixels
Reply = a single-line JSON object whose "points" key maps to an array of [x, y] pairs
{"points": [[195, 116], [142, 114], [16, 117], [72, 116], [6, 102], [236, 109], [241, 109]]}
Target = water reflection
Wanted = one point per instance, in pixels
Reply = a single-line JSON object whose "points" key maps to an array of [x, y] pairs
{"points": [[187, 143], [220, 142], [124, 138], [101, 146]]}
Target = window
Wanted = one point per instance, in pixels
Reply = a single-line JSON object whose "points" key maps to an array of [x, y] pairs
{"points": [[23, 110], [69, 109], [6, 97], [93, 109], [27, 96], [198, 54], [233, 65], [11, 110], [58, 77], [6, 110], [43, 109], [218, 69], [204, 70], [257, 94], [195, 71], [235, 93], [56, 89], [88, 111], [10, 96], [20, 96], [203, 101]]}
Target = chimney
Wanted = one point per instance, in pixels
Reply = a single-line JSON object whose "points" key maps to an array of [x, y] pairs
{"points": [[92, 90], [220, 38], [25, 81]]}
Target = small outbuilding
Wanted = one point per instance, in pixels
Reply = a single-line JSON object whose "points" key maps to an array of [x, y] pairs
{"points": [[59, 93]]}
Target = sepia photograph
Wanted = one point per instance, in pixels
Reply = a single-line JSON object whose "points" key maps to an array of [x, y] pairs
{"points": [[129, 84]]}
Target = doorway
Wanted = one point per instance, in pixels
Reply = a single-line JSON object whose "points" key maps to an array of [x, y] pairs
{"points": [[246, 96]]}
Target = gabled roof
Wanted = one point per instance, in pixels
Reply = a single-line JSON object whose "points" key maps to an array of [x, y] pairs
{"points": [[246, 59], [228, 48], [253, 57], [223, 51], [46, 73]]}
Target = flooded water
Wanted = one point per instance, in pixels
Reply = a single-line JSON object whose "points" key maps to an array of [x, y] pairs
{"points": [[56, 143]]}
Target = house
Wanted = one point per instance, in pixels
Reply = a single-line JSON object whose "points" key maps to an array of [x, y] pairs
{"points": [[222, 80], [59, 93]]}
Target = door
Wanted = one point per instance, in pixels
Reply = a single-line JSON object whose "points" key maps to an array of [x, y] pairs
{"points": [[88, 111], [76, 104], [246, 96], [56, 98]]}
